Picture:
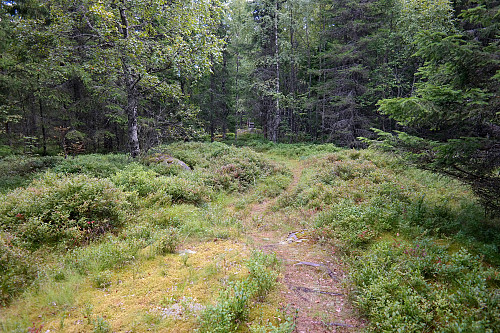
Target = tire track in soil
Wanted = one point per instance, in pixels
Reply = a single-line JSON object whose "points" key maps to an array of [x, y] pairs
{"points": [[312, 274]]}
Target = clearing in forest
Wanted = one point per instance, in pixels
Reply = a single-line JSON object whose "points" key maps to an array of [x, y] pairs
{"points": [[277, 238], [312, 275]]}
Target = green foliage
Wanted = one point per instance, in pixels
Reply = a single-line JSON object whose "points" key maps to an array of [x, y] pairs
{"points": [[231, 308], [272, 186], [166, 241], [18, 269], [364, 197], [208, 221], [356, 225], [416, 16], [68, 209], [418, 286], [137, 178], [161, 216], [223, 167], [93, 165], [452, 110], [403, 231], [262, 273], [297, 150], [185, 190], [163, 189], [157, 163], [250, 139], [101, 325], [155, 51], [110, 253], [19, 170], [286, 326], [462, 158], [5, 151], [101, 279]]}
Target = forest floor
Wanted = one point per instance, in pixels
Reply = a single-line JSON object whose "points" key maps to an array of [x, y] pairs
{"points": [[168, 293], [274, 239], [312, 280]]}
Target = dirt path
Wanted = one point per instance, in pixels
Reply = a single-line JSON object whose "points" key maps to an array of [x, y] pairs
{"points": [[312, 274]]}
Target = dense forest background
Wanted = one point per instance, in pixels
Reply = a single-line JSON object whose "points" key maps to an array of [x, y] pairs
{"points": [[418, 76], [118, 213]]}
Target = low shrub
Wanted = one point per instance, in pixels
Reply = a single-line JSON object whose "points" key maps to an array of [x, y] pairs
{"points": [[70, 209], [184, 190], [101, 325], [284, 326], [5, 150], [166, 241], [94, 165], [419, 286], [263, 276], [19, 170], [109, 254], [18, 270], [102, 279], [221, 166], [345, 170], [136, 178], [209, 221], [387, 220], [164, 169], [230, 310], [232, 307], [160, 189], [273, 185], [301, 150], [354, 225], [164, 217], [362, 194]]}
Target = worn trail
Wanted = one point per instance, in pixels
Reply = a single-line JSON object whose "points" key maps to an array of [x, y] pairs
{"points": [[312, 275]]}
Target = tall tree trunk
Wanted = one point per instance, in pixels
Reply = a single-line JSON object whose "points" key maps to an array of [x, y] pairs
{"points": [[42, 123], [237, 102], [322, 74], [132, 93], [277, 116], [212, 105], [224, 106], [293, 74], [310, 110], [133, 136]]}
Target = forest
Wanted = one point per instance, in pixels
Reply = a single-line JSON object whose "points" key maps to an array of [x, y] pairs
{"points": [[108, 76], [249, 165]]}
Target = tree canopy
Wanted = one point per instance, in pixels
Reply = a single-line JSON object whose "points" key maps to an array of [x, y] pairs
{"points": [[115, 75]]}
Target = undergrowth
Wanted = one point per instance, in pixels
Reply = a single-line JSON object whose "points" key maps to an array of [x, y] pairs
{"points": [[17, 269], [68, 210], [232, 306], [19, 171], [422, 253], [67, 221], [224, 167]]}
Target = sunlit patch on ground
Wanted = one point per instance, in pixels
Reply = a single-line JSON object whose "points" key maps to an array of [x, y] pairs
{"points": [[166, 293]]}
